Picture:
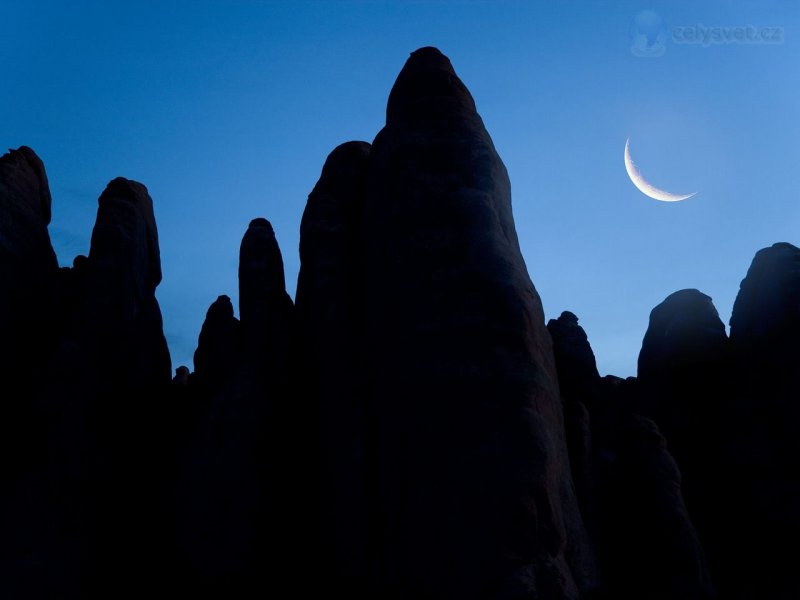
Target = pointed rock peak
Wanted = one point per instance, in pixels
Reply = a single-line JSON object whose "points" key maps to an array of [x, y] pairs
{"points": [[79, 262], [25, 156], [429, 57], [781, 257], [127, 189], [329, 228], [23, 153], [339, 190], [261, 276], [218, 345], [344, 156], [220, 309], [685, 329], [133, 192], [428, 90], [260, 252], [566, 322], [181, 376], [342, 180], [15, 156], [125, 229], [769, 295], [770, 264], [575, 361], [683, 305], [259, 246], [568, 318], [261, 224], [780, 247], [122, 185], [22, 173], [689, 296]]}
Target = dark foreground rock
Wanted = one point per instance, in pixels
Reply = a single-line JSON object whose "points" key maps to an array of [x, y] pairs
{"points": [[411, 430], [234, 490], [629, 484], [470, 479], [101, 380], [329, 291], [685, 371], [578, 380], [763, 444], [28, 286]]}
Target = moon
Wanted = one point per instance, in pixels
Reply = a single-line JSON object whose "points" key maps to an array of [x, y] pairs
{"points": [[644, 186]]}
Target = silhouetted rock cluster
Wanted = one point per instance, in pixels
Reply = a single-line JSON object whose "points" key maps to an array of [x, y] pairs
{"points": [[85, 504], [410, 429], [329, 302]]}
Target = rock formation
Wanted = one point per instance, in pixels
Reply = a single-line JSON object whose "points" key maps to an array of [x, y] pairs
{"points": [[764, 441], [232, 504], [685, 332], [579, 382], [124, 369], [765, 328], [263, 301], [119, 321], [646, 540], [577, 369], [219, 347], [628, 483], [27, 262], [28, 275], [101, 374], [28, 294], [684, 370], [471, 485], [181, 377], [329, 291], [410, 430]]}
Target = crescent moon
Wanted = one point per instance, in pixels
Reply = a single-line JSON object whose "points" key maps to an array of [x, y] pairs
{"points": [[644, 186]]}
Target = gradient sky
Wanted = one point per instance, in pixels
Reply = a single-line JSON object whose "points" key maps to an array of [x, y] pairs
{"points": [[226, 111]]}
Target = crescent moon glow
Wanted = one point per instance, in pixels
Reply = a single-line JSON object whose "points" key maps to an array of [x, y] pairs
{"points": [[644, 186]]}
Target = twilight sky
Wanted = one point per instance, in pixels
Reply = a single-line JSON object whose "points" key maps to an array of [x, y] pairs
{"points": [[226, 111]]}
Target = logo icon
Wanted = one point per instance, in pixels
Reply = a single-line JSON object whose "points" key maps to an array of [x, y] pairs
{"points": [[648, 34]]}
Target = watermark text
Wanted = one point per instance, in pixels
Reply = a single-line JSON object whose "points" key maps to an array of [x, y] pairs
{"points": [[720, 34]]}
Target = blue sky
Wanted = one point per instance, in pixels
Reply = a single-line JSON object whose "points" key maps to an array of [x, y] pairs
{"points": [[226, 111]]}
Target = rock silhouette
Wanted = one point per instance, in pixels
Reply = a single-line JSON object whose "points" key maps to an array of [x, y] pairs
{"points": [[579, 382], [119, 335], [467, 353], [685, 375], [684, 370], [763, 444], [646, 537], [577, 369], [28, 272], [102, 375], [229, 492], [629, 485], [28, 279], [765, 325], [329, 289], [119, 321], [411, 429], [27, 262], [219, 347], [263, 300]]}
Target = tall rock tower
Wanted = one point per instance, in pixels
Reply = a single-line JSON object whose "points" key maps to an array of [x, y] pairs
{"points": [[467, 490]]}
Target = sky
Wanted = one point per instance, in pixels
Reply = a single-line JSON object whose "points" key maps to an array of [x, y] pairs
{"points": [[227, 110]]}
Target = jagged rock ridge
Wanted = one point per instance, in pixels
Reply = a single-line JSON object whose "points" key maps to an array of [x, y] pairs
{"points": [[411, 429]]}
